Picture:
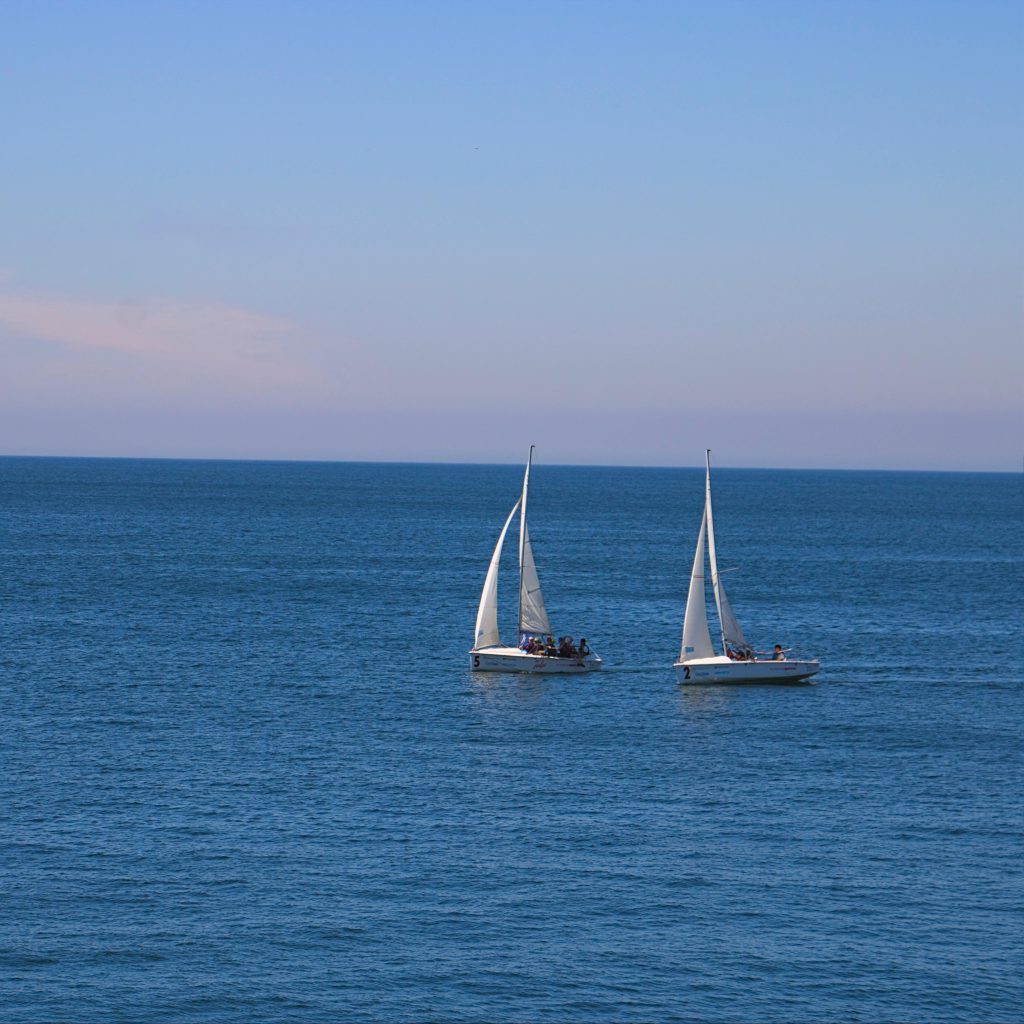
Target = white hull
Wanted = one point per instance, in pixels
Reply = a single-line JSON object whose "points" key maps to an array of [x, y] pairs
{"points": [[725, 670], [511, 659]]}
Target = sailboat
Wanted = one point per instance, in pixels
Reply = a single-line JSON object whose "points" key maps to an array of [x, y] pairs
{"points": [[738, 662], [488, 653]]}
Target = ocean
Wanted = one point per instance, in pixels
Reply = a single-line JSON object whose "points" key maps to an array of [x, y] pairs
{"points": [[246, 775]]}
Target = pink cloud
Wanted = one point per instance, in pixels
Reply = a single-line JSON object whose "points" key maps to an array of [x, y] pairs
{"points": [[164, 347]]}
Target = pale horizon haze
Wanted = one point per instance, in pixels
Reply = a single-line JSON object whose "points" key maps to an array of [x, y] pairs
{"points": [[624, 232]]}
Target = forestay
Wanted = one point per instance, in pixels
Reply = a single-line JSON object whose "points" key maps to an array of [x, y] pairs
{"points": [[487, 634]]}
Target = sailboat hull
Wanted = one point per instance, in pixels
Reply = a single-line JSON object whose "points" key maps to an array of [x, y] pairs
{"points": [[705, 671], [511, 659]]}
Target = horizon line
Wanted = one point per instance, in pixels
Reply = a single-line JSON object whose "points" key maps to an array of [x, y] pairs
{"points": [[554, 465]]}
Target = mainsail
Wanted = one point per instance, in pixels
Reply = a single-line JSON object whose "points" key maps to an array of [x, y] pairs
{"points": [[533, 618], [487, 615], [696, 638], [732, 635]]}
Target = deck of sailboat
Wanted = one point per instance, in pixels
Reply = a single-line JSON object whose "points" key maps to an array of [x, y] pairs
{"points": [[512, 659], [724, 670]]}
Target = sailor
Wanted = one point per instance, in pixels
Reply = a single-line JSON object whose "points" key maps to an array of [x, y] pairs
{"points": [[778, 654]]}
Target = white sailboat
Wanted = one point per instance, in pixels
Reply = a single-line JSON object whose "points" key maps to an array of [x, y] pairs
{"points": [[488, 653], [738, 662]]}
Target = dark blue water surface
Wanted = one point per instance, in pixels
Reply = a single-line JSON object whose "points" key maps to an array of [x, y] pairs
{"points": [[245, 774]]}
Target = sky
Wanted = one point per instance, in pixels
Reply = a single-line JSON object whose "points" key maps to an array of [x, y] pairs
{"points": [[444, 231]]}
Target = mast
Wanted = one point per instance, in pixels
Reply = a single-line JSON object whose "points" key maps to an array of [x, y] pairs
{"points": [[522, 539], [711, 543]]}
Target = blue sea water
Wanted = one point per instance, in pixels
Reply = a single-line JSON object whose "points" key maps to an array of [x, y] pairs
{"points": [[246, 775]]}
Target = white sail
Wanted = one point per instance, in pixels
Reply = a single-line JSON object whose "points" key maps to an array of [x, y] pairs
{"points": [[731, 632], [487, 615], [533, 617], [696, 637], [732, 635]]}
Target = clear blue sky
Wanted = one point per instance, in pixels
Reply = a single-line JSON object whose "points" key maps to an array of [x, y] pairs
{"points": [[621, 231]]}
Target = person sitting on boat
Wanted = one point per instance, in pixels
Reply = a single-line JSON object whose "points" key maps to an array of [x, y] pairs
{"points": [[524, 642], [550, 650], [583, 650], [778, 654]]}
